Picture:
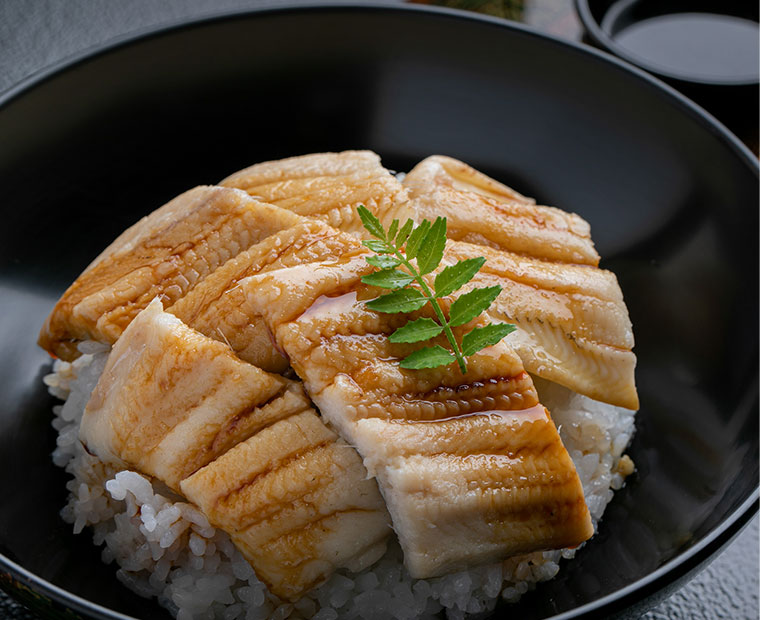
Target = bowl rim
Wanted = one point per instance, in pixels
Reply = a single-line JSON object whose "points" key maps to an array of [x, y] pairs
{"points": [[671, 572], [600, 38]]}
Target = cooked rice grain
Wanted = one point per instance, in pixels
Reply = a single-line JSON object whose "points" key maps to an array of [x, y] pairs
{"points": [[165, 548]]}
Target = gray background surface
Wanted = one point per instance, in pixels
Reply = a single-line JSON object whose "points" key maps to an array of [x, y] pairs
{"points": [[35, 34]]}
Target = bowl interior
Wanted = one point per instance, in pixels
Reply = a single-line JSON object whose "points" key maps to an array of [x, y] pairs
{"points": [[671, 200]]}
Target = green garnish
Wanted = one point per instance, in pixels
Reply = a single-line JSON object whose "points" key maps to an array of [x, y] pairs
{"points": [[424, 244]]}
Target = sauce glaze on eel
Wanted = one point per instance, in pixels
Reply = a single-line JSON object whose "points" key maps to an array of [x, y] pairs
{"points": [[244, 445], [471, 467], [327, 186], [166, 253]]}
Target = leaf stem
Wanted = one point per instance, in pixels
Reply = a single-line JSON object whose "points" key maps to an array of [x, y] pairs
{"points": [[436, 308]]}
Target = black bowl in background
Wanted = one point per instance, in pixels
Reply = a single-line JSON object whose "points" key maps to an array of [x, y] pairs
{"points": [[652, 35], [671, 196]]}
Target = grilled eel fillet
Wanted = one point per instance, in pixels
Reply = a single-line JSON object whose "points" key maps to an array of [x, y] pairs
{"points": [[572, 323], [573, 326], [472, 468], [164, 254], [244, 445], [174, 248], [218, 308], [327, 186], [482, 211]]}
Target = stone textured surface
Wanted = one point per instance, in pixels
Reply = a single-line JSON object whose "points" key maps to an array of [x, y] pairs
{"points": [[35, 35], [727, 588]]}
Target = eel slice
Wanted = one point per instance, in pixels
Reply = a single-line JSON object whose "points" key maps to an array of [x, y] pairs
{"points": [[572, 323], [327, 186], [166, 253], [482, 211], [170, 400], [471, 467], [218, 308], [244, 445], [297, 502]]}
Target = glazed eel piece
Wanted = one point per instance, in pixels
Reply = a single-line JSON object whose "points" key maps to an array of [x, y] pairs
{"points": [[244, 445]]}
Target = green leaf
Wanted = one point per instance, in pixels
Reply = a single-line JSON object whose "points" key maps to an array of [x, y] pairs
{"points": [[431, 251], [388, 278], [392, 231], [415, 239], [403, 300], [371, 223], [482, 337], [429, 357], [426, 243], [468, 306], [454, 277], [416, 331], [403, 234], [381, 247], [383, 262]]}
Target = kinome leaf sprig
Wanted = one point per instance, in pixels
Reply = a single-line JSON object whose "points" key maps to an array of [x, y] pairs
{"points": [[424, 244]]}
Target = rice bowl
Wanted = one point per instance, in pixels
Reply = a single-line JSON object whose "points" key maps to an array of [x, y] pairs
{"points": [[622, 575]]}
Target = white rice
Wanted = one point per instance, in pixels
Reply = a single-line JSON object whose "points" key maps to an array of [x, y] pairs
{"points": [[165, 548]]}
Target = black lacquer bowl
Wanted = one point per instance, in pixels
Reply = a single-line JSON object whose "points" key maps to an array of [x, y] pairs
{"points": [[671, 196]]}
